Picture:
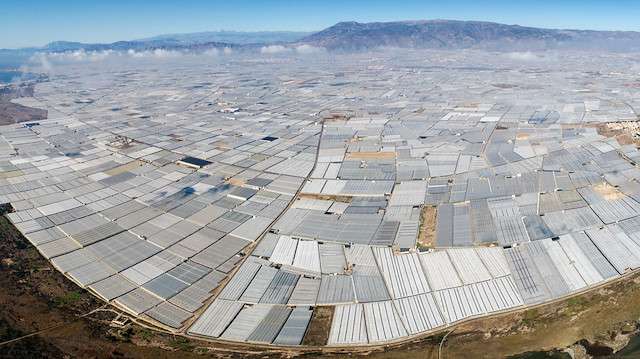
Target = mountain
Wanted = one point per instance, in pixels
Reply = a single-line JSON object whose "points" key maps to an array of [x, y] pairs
{"points": [[138, 45], [198, 40], [452, 34], [237, 40], [350, 36], [233, 37]]}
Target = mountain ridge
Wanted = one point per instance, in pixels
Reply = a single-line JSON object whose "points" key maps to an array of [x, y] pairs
{"points": [[356, 36], [455, 34], [234, 37]]}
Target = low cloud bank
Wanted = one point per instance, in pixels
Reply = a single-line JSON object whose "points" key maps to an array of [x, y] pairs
{"points": [[274, 49], [523, 56], [46, 61], [301, 49], [308, 49]]}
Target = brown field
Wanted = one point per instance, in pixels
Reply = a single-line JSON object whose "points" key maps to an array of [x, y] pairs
{"points": [[427, 233], [236, 181], [124, 168], [326, 197], [624, 132], [318, 331], [11, 113], [607, 191]]}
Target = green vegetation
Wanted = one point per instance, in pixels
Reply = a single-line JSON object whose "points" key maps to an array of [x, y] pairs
{"points": [[542, 355], [181, 343], [437, 338], [576, 304], [145, 334], [201, 350], [422, 247], [67, 299], [529, 317]]}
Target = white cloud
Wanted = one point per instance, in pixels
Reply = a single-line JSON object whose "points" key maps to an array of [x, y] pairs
{"points": [[211, 52], [308, 49], [46, 61], [157, 54], [78, 56], [522, 56], [274, 49], [40, 61]]}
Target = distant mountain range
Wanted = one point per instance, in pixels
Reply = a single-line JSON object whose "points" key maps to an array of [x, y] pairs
{"points": [[451, 34], [197, 40], [231, 37], [355, 36], [192, 41], [62, 46]]}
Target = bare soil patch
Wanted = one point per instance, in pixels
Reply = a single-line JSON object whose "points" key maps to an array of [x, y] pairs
{"points": [[318, 330], [427, 233], [607, 191], [625, 132], [11, 113], [326, 197]]}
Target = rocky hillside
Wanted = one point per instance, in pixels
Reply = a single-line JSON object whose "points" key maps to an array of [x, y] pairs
{"points": [[451, 34]]}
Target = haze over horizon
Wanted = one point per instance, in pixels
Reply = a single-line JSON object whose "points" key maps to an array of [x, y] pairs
{"points": [[38, 22]]}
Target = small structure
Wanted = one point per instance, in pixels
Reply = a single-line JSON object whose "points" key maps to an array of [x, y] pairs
{"points": [[193, 162]]}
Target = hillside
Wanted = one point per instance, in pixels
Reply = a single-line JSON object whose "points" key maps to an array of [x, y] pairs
{"points": [[452, 34]]}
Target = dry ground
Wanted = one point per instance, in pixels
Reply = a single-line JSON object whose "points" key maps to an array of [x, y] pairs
{"points": [[624, 132], [11, 113], [427, 233]]}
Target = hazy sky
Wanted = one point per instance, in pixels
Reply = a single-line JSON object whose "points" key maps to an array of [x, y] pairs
{"points": [[35, 23]]}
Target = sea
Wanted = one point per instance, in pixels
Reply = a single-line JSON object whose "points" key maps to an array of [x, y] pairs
{"points": [[9, 76]]}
